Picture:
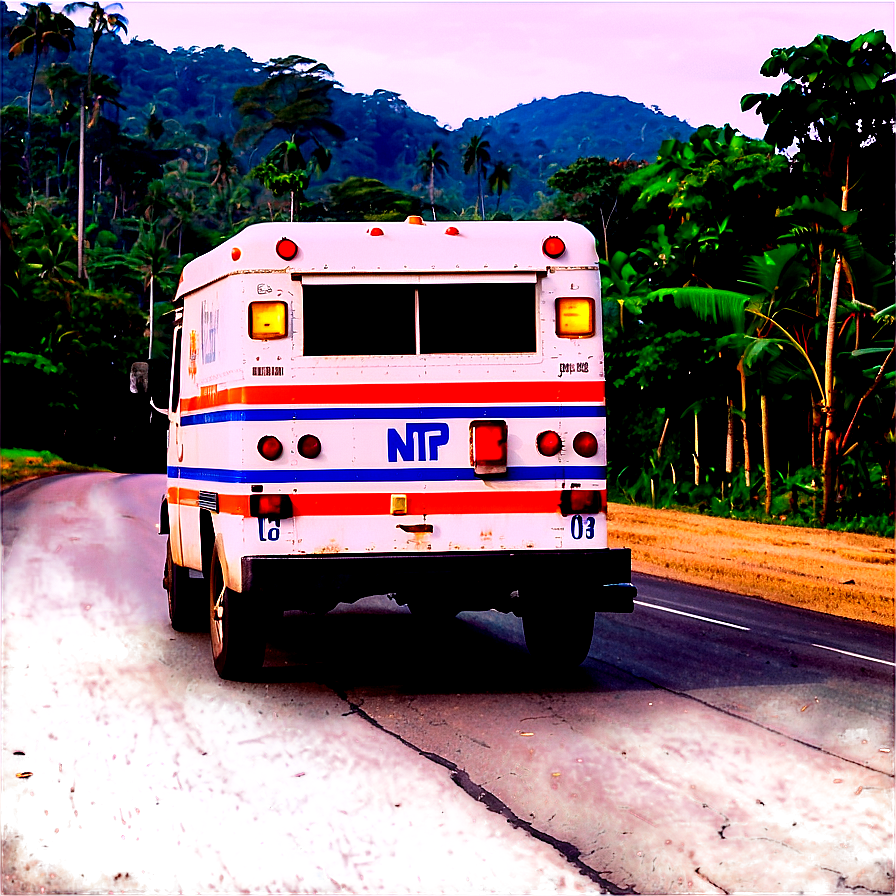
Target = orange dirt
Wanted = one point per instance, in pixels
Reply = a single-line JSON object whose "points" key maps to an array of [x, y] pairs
{"points": [[841, 573]]}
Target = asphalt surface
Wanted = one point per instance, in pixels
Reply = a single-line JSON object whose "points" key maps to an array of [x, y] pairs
{"points": [[710, 743]]}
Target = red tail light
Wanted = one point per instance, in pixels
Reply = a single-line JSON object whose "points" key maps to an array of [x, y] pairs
{"points": [[309, 446], [270, 506], [287, 249], [553, 247], [579, 500], [488, 447], [549, 443], [270, 447], [585, 444]]}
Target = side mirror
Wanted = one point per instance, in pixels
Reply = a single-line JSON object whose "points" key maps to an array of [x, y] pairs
{"points": [[148, 378], [140, 377]]}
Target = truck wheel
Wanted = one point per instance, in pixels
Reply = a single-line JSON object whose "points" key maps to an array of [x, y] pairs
{"points": [[237, 628], [186, 597], [559, 637]]}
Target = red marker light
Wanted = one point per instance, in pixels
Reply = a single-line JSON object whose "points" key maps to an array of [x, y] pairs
{"points": [[270, 506], [309, 446], [270, 447], [235, 254], [585, 444], [488, 447], [452, 231], [287, 249], [375, 231], [549, 443], [579, 500], [553, 247]]}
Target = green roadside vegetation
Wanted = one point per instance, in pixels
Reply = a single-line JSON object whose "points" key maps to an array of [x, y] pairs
{"points": [[19, 464], [747, 285]]}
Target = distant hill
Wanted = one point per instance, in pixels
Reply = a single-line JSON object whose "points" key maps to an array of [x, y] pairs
{"points": [[386, 136], [191, 92]]}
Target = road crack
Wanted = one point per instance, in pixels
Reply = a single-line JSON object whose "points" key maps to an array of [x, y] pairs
{"points": [[712, 883], [461, 778]]}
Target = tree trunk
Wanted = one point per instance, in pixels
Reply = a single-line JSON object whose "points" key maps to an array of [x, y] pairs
{"points": [[830, 461], [729, 450], [748, 466], [766, 453], [696, 449], [81, 166]]}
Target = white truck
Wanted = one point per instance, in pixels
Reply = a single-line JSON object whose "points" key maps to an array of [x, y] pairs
{"points": [[411, 408]]}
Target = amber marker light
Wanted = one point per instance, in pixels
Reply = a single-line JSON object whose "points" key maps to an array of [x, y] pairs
{"points": [[574, 317], [267, 320]]}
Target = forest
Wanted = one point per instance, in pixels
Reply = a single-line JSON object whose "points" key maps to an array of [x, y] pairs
{"points": [[747, 284]]}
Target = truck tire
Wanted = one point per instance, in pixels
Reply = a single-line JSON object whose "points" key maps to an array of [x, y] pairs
{"points": [[558, 637], [237, 628], [186, 597]]}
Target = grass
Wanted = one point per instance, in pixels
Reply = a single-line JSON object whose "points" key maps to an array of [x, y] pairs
{"points": [[18, 464]]}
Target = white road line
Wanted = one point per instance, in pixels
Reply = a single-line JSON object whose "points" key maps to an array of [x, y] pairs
{"points": [[860, 656], [641, 603]]}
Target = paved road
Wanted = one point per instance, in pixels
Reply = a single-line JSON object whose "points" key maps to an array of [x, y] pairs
{"points": [[709, 744]]}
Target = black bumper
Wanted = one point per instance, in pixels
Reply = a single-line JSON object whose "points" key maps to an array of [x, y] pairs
{"points": [[501, 580]]}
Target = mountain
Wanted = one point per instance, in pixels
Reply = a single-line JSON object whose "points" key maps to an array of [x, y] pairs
{"points": [[386, 137]]}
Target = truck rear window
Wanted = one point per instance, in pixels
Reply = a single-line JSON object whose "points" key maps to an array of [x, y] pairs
{"points": [[435, 318]]}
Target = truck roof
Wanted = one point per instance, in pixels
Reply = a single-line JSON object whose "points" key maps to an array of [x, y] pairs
{"points": [[391, 247]]}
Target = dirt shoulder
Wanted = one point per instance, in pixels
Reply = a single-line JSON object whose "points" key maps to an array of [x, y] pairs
{"points": [[841, 573]]}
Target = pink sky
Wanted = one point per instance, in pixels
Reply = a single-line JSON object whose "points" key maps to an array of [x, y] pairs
{"points": [[471, 60]]}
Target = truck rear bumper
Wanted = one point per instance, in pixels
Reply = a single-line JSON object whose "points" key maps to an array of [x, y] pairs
{"points": [[501, 580]]}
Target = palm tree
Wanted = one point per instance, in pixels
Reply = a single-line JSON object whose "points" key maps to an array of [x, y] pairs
{"points": [[430, 162], [39, 31], [102, 21], [499, 180], [476, 156]]}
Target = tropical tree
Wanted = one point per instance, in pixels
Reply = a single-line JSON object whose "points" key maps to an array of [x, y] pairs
{"points": [[102, 21], [285, 170], [39, 31], [476, 157], [430, 162], [838, 102], [499, 180], [588, 191], [294, 98]]}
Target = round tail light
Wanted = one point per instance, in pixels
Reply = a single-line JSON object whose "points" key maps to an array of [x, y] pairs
{"points": [[287, 249], [270, 447], [553, 247], [585, 444], [309, 446], [549, 443]]}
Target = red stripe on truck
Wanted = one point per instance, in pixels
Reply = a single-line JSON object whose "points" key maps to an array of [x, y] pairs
{"points": [[561, 391], [378, 504]]}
